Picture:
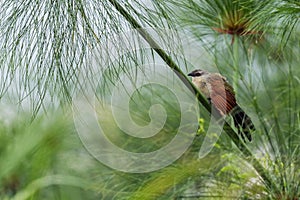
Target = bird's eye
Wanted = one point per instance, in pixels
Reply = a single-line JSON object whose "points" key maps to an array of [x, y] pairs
{"points": [[198, 74]]}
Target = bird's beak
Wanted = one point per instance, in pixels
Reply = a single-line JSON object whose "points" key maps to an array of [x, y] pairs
{"points": [[190, 74]]}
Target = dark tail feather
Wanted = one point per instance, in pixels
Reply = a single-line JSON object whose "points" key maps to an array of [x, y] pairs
{"points": [[242, 122]]}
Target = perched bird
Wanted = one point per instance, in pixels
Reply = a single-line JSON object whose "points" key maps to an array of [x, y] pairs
{"points": [[221, 95]]}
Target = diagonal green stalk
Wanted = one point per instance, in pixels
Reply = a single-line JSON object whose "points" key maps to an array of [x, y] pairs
{"points": [[168, 60]]}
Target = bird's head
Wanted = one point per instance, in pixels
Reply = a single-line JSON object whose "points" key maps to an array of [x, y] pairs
{"points": [[198, 73], [199, 79]]}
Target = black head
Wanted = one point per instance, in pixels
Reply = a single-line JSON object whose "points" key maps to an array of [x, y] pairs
{"points": [[197, 72]]}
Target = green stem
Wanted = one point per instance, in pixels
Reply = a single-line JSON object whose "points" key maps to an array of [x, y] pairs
{"points": [[168, 60], [235, 62]]}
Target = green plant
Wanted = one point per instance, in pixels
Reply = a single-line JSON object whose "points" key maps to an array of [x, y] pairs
{"points": [[46, 45]]}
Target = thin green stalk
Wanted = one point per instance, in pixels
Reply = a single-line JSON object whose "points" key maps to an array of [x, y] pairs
{"points": [[227, 128], [235, 47], [160, 52]]}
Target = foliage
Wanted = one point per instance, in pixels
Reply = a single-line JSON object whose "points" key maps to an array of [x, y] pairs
{"points": [[45, 49]]}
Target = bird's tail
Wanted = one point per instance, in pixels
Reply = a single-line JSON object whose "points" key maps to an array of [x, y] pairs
{"points": [[242, 122]]}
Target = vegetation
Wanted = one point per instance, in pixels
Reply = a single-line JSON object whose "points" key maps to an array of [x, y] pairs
{"points": [[53, 52]]}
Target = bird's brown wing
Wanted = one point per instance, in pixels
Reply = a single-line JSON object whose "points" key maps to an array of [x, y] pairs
{"points": [[221, 94]]}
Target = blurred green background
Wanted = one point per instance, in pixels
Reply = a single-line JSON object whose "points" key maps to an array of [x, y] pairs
{"points": [[45, 50]]}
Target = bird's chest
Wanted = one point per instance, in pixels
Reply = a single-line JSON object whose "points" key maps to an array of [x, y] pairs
{"points": [[203, 86]]}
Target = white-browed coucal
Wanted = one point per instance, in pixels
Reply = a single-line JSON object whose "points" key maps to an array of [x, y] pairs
{"points": [[221, 95]]}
